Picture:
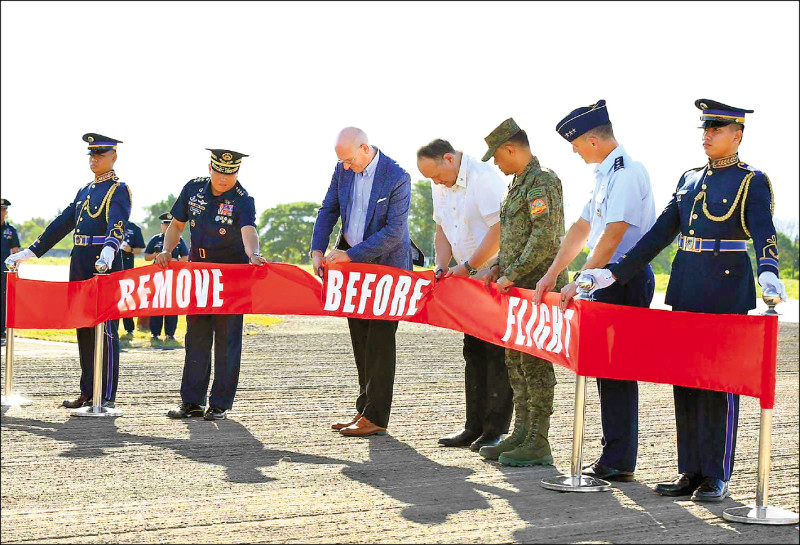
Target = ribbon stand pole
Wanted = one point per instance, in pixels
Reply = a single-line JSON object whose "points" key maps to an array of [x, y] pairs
{"points": [[761, 513], [9, 398], [576, 482], [97, 409]]}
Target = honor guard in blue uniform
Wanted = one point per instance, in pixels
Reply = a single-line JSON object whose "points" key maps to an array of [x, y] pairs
{"points": [[620, 211], [97, 215], [181, 253], [9, 243], [222, 221], [715, 210], [132, 244]]}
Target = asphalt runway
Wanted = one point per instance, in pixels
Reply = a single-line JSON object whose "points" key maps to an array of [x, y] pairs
{"points": [[274, 472]]}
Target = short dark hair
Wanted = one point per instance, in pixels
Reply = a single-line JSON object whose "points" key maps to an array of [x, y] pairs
{"points": [[435, 150], [520, 138], [603, 132]]}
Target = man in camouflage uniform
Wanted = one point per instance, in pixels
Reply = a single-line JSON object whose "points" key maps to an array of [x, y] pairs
{"points": [[532, 224]]}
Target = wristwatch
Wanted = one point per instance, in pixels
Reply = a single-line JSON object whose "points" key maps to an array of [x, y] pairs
{"points": [[470, 270]]}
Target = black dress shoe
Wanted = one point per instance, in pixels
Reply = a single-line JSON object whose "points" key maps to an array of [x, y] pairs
{"points": [[186, 410], [599, 471], [464, 438], [587, 465], [213, 413], [683, 485], [487, 439], [82, 401], [711, 489]]}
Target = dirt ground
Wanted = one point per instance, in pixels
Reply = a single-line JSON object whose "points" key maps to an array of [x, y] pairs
{"points": [[274, 472]]}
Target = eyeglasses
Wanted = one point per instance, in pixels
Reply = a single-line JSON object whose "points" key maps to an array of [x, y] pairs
{"points": [[349, 161]]}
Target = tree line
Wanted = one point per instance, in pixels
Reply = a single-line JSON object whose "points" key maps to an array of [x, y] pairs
{"points": [[285, 231]]}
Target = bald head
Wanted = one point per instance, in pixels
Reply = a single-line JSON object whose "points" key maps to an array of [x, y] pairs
{"points": [[353, 149], [352, 136]]}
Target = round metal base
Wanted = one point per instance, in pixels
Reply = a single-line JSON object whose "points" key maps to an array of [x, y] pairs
{"points": [[760, 515], [15, 400], [90, 411], [576, 483]]}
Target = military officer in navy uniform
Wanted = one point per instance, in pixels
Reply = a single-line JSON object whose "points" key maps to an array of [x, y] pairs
{"points": [[97, 215], [132, 245], [715, 210], [222, 220], [9, 243], [181, 253]]}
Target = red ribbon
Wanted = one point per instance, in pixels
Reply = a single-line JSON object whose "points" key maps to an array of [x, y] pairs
{"points": [[730, 353]]}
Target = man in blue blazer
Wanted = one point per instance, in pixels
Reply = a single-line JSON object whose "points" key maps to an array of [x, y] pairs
{"points": [[371, 193]]}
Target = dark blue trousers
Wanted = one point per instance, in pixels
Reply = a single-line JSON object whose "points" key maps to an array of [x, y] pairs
{"points": [[224, 331], [707, 422], [619, 399], [110, 359], [128, 324], [81, 267], [170, 325]]}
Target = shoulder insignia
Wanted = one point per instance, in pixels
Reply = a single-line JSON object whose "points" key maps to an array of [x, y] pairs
{"points": [[619, 163], [538, 206], [750, 168]]}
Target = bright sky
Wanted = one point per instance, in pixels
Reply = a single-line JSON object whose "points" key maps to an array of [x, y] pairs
{"points": [[278, 80]]}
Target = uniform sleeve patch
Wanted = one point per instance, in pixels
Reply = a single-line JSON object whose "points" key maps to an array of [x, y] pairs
{"points": [[538, 207], [535, 192]]}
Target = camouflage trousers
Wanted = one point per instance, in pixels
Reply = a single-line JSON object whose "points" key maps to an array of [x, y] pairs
{"points": [[533, 381]]}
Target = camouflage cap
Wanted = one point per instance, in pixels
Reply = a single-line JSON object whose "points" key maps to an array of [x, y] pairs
{"points": [[500, 136]]}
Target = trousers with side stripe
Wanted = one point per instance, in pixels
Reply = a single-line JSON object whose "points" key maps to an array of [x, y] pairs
{"points": [[707, 422], [82, 267], [110, 359]]}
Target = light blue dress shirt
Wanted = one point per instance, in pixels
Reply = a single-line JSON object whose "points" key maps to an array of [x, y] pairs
{"points": [[362, 188], [621, 193]]}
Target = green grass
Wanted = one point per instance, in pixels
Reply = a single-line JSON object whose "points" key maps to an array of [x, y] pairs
{"points": [[137, 261], [791, 286], [253, 324]]}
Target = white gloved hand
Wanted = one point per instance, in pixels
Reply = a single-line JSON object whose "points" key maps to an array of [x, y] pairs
{"points": [[106, 259], [13, 261], [769, 282], [599, 278]]}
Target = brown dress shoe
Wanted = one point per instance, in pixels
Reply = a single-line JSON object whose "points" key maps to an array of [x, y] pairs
{"points": [[341, 425], [82, 401], [362, 428]]}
